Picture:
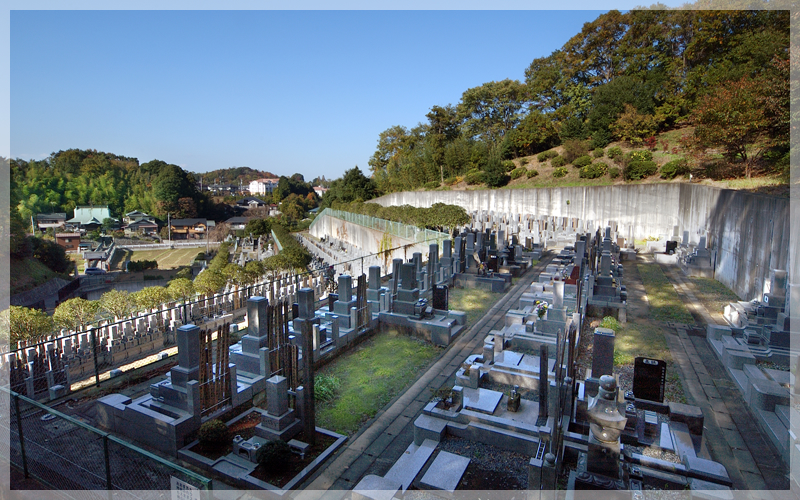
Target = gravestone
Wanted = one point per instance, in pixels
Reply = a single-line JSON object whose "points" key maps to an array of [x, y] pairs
{"points": [[649, 379], [441, 297]]}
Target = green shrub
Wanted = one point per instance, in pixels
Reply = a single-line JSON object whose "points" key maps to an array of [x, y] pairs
{"points": [[675, 168], [593, 171], [560, 172], [640, 169], [508, 165], [524, 161], [574, 148], [611, 323], [599, 153], [431, 185], [638, 155], [213, 433], [325, 387], [532, 173], [613, 172], [582, 161], [274, 455], [518, 172], [615, 153], [474, 177], [546, 155], [450, 181], [558, 161]]}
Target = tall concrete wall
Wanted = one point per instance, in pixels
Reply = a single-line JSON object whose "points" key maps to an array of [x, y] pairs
{"points": [[748, 233], [365, 238]]}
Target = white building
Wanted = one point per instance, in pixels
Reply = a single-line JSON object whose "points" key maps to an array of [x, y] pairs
{"points": [[263, 186]]}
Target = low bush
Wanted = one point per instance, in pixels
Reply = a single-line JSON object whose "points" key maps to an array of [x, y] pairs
{"points": [[532, 173], [613, 172], [638, 155], [141, 265], [213, 433], [599, 153], [615, 153], [474, 177], [675, 168], [518, 172], [508, 165], [611, 323], [325, 387], [450, 181], [636, 170], [546, 155], [558, 161], [524, 161], [574, 148], [560, 172], [431, 185], [593, 171], [582, 161], [274, 455]]}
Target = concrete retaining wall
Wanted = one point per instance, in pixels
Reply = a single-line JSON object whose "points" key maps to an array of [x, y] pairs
{"points": [[748, 234]]}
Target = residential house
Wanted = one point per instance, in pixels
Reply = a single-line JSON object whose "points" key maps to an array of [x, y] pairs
{"points": [[138, 222], [320, 190], [250, 202], [263, 186], [183, 229], [70, 241], [88, 218], [237, 223], [48, 221]]}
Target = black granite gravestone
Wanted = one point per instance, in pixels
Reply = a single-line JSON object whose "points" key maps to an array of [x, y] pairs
{"points": [[649, 379], [441, 297]]}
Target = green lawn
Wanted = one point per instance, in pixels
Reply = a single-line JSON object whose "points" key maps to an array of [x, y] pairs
{"points": [[370, 376], [714, 295], [167, 258], [665, 304], [474, 302]]}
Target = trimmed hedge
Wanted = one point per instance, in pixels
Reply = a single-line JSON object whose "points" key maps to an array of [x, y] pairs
{"points": [[582, 161], [613, 172], [532, 173], [560, 172], [274, 455], [675, 168], [558, 161], [518, 172], [614, 152], [593, 171], [213, 433], [636, 170], [431, 185], [474, 177]]}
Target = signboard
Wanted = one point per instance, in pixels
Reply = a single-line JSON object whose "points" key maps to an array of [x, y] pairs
{"points": [[649, 379], [181, 490]]}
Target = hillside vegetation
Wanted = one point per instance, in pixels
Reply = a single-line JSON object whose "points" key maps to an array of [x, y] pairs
{"points": [[697, 92]]}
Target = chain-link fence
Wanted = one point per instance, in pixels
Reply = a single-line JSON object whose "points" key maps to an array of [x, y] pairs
{"points": [[66, 454]]}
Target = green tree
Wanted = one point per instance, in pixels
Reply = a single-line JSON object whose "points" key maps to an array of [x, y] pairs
{"points": [[535, 133], [118, 303], [209, 282], [495, 172], [353, 186], [151, 297], [258, 227], [633, 126], [28, 324], [181, 289], [491, 110], [76, 313]]}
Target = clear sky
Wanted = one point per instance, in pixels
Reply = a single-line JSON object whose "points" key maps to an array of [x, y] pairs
{"points": [[282, 91]]}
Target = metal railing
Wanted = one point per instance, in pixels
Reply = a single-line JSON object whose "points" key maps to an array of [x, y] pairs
{"points": [[66, 454]]}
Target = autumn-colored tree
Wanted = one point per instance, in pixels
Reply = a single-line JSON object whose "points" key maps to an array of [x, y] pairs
{"points": [[27, 324], [76, 313], [118, 303], [633, 126]]}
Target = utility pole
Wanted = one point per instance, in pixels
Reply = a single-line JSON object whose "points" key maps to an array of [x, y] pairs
{"points": [[169, 231]]}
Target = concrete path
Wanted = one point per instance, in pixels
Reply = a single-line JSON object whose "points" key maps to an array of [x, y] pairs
{"points": [[731, 434], [376, 448]]}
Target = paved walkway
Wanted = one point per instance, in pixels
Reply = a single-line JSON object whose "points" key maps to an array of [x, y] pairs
{"points": [[376, 448], [730, 432]]}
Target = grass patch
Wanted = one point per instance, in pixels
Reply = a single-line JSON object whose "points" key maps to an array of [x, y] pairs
{"points": [[473, 301], [29, 273], [714, 295], [665, 304], [370, 376], [167, 258], [754, 183]]}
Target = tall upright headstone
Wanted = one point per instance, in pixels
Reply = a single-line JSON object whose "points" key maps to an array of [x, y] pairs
{"points": [[306, 299]]}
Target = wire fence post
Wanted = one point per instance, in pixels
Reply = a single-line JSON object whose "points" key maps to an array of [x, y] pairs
{"points": [[21, 437], [94, 354], [109, 486]]}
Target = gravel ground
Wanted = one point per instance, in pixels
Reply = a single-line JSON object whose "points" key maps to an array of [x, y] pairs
{"points": [[490, 468]]}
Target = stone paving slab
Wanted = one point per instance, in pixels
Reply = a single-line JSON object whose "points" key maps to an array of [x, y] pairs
{"points": [[482, 400], [445, 472]]}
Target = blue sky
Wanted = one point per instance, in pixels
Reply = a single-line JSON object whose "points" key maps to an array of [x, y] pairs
{"points": [[282, 91]]}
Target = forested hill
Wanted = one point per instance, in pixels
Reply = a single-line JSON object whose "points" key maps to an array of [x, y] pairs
{"points": [[625, 78], [87, 177], [233, 175]]}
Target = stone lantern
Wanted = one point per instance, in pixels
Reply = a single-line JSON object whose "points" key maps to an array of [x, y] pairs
{"points": [[605, 426]]}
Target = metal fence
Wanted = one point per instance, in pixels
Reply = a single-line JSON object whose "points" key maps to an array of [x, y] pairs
{"points": [[68, 455]]}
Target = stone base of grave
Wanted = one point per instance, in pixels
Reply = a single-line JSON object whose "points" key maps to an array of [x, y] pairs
{"points": [[284, 427]]}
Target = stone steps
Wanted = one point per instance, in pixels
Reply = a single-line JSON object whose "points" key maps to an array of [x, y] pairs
{"points": [[408, 466]]}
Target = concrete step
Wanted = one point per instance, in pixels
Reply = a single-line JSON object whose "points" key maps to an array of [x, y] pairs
{"points": [[408, 466], [445, 472]]}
